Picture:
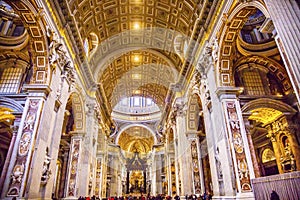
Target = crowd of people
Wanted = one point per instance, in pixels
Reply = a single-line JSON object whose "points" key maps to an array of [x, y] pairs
{"points": [[204, 196]]}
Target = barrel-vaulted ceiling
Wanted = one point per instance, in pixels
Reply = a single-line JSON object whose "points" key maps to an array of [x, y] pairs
{"points": [[135, 47], [139, 73], [127, 27]]}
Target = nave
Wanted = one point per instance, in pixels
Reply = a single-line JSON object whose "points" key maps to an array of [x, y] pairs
{"points": [[160, 98]]}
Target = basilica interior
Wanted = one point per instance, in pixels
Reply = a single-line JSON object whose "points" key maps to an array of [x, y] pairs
{"points": [[129, 97]]}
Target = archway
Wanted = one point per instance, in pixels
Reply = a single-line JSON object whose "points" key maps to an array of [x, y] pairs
{"points": [[199, 150], [73, 122], [269, 124]]}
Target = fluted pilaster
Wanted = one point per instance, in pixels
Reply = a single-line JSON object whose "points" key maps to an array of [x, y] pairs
{"points": [[286, 19]]}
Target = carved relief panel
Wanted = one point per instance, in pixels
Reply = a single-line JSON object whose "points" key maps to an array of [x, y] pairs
{"points": [[98, 177], [238, 147], [195, 164], [73, 167], [20, 169]]}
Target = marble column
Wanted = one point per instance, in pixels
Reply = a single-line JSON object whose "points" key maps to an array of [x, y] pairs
{"points": [[285, 16], [252, 149], [276, 149], [168, 170], [115, 172], [184, 151]]}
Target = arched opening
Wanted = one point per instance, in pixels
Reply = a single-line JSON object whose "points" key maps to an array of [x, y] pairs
{"points": [[61, 174], [200, 160], [270, 123], [251, 56]]}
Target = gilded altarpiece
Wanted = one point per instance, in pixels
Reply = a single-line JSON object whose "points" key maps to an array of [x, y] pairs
{"points": [[195, 162], [241, 166], [24, 150], [73, 167]]}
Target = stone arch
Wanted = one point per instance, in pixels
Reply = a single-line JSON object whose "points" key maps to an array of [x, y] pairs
{"points": [[32, 18], [122, 129], [268, 103], [273, 119], [11, 104], [233, 23]]}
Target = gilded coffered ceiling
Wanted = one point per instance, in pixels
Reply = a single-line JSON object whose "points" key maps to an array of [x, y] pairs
{"points": [[136, 139], [122, 28], [127, 48], [108, 18], [265, 115], [139, 73]]}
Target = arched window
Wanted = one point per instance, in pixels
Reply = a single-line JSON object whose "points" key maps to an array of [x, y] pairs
{"points": [[10, 80], [12, 73]]}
